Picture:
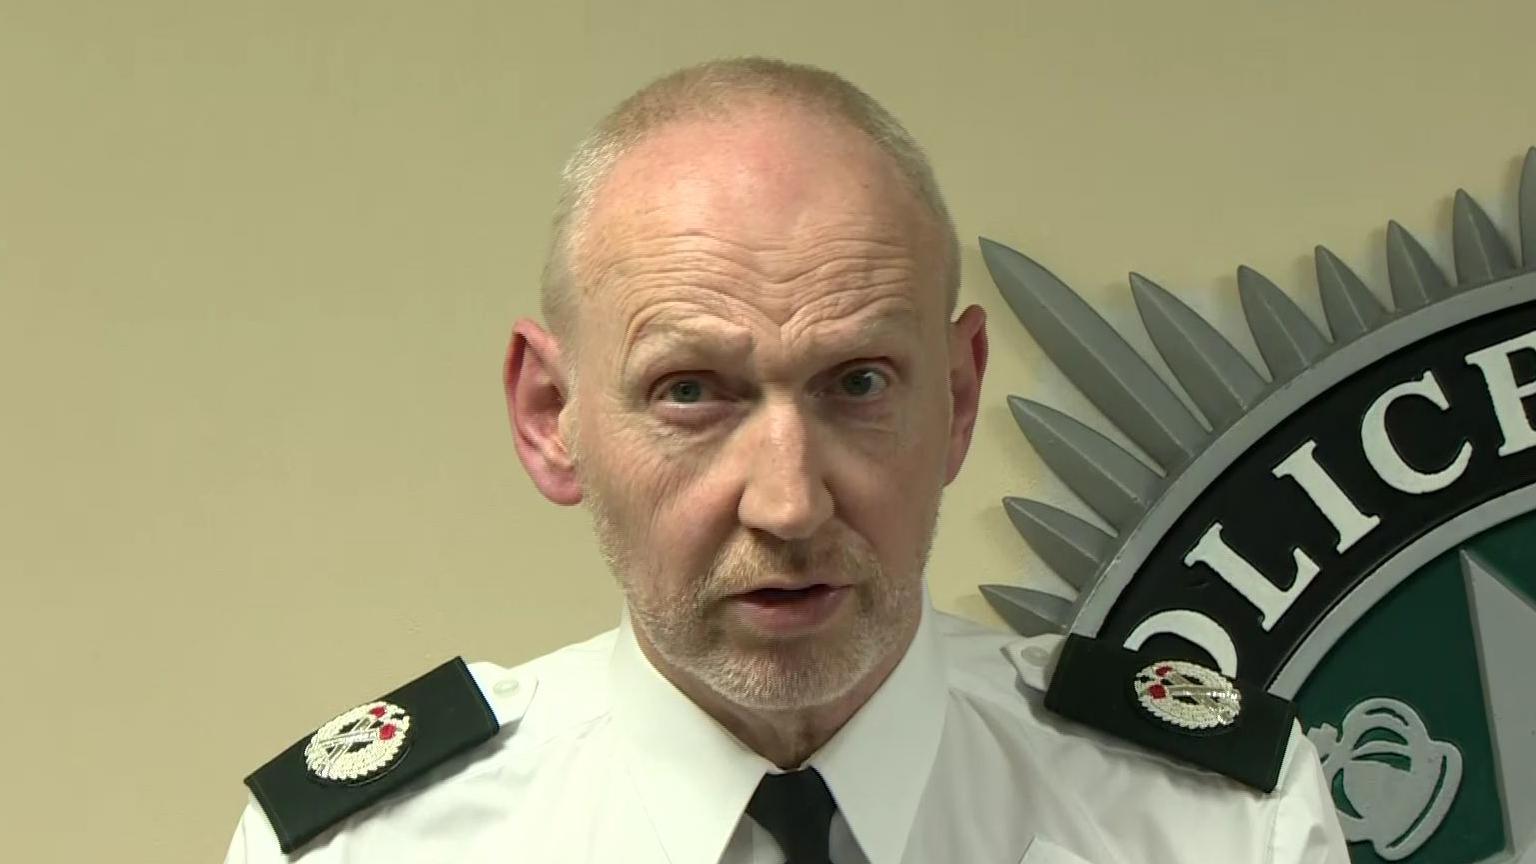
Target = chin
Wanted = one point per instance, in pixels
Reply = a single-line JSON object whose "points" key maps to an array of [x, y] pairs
{"points": [[791, 677]]}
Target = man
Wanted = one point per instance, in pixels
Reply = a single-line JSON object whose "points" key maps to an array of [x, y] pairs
{"points": [[754, 379]]}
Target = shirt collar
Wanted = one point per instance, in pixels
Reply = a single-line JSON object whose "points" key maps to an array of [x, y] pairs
{"points": [[695, 778], [878, 764]]}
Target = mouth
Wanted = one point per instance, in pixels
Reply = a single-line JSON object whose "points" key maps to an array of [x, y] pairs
{"points": [[791, 610], [787, 593]]}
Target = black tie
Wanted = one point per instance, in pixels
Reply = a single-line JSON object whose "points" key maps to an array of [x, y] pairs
{"points": [[796, 808]]}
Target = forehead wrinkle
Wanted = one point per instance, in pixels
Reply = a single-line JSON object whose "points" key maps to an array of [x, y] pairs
{"points": [[792, 281], [836, 278], [777, 259], [670, 256], [841, 261], [849, 321], [661, 327]]}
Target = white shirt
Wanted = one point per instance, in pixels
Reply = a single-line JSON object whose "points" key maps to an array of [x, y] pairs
{"points": [[953, 761]]}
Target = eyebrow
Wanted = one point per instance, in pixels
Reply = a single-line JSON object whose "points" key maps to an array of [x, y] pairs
{"points": [[674, 335], [665, 337]]}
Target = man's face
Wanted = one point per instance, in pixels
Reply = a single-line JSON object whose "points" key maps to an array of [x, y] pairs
{"points": [[761, 408]]}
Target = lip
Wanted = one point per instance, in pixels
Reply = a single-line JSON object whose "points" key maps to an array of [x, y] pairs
{"points": [[790, 609], [790, 586]]}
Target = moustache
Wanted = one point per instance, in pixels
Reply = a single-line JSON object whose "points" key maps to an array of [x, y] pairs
{"points": [[749, 566]]}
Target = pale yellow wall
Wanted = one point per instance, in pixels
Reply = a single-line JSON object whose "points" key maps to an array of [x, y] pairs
{"points": [[258, 261]]}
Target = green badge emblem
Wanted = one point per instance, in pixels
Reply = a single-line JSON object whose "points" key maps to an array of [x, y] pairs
{"points": [[1355, 531]]}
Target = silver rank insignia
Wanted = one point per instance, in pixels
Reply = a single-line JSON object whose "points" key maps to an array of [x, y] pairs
{"points": [[360, 745], [1188, 695]]}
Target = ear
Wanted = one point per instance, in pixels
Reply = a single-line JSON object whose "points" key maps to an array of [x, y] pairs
{"points": [[967, 365], [534, 381]]}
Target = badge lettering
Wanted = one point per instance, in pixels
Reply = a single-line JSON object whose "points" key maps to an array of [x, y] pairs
{"points": [[1508, 396], [1384, 456], [1325, 492]]}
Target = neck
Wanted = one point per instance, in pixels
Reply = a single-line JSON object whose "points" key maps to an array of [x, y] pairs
{"points": [[787, 738]]}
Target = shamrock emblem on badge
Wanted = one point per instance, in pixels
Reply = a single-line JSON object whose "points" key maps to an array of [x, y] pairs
{"points": [[1188, 695], [358, 745]]}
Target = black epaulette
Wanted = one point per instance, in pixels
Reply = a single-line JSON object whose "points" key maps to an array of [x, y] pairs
{"points": [[1174, 707], [367, 753]]}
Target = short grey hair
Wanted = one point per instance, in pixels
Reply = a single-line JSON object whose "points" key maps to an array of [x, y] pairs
{"points": [[714, 89]]}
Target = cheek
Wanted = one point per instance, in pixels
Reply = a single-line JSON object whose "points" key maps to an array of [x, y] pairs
{"points": [[893, 508], [661, 501], [887, 487]]}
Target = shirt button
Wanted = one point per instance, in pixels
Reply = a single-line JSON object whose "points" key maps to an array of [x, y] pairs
{"points": [[506, 687], [1035, 655]]}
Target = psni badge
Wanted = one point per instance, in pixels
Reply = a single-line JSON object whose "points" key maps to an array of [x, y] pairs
{"points": [[359, 745], [1188, 695], [1349, 526], [364, 755]]}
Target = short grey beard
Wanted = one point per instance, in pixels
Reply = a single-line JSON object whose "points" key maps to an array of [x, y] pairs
{"points": [[772, 678], [783, 678]]}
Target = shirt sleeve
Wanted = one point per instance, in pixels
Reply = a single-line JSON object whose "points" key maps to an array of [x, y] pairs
{"points": [[254, 842], [1306, 828]]}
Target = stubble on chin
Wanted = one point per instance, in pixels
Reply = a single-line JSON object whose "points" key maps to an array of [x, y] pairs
{"points": [[686, 621]]}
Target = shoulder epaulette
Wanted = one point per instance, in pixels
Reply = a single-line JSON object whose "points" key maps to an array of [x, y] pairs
{"points": [[367, 753], [1174, 707]]}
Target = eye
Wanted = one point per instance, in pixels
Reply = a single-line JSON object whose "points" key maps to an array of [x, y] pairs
{"points": [[862, 383], [687, 390]]}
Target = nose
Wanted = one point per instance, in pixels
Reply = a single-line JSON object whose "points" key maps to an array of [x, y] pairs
{"points": [[785, 491]]}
